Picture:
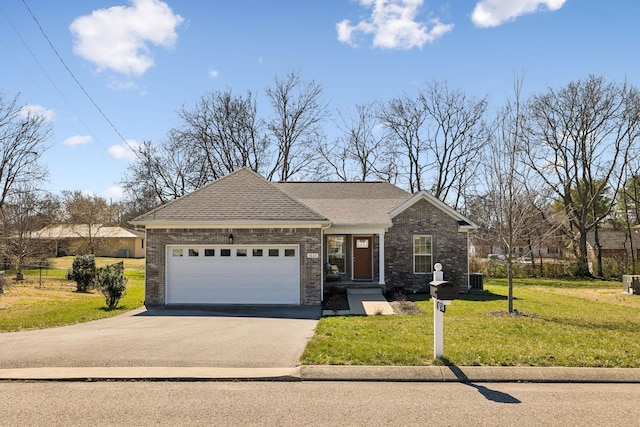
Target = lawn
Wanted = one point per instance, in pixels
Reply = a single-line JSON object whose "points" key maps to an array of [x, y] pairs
{"points": [[46, 299], [561, 323]]}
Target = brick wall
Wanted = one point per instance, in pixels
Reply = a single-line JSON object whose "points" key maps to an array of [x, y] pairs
{"points": [[448, 244], [308, 239]]}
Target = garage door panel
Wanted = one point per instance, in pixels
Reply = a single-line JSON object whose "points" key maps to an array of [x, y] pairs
{"points": [[233, 279]]}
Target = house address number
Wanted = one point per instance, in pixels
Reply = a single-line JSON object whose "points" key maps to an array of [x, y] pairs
{"points": [[313, 255]]}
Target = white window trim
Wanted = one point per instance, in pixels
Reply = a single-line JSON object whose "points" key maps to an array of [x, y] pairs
{"points": [[413, 244]]}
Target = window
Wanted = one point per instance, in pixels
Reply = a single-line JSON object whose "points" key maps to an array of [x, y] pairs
{"points": [[422, 253], [362, 243], [289, 252], [176, 252], [274, 252], [209, 252], [336, 253], [194, 252], [225, 252], [241, 252], [257, 252]]}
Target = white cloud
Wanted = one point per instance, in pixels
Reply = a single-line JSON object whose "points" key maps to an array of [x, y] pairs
{"points": [[118, 85], [37, 110], [123, 151], [491, 13], [77, 140], [118, 38], [214, 73], [393, 25], [115, 192]]}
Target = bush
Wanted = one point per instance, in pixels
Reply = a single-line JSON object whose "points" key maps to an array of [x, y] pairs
{"points": [[614, 268], [498, 269], [83, 272], [112, 282]]}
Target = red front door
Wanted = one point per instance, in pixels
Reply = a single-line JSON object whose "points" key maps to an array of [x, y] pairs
{"points": [[362, 258]]}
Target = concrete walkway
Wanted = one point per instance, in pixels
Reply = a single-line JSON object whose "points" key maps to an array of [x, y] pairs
{"points": [[368, 302]]}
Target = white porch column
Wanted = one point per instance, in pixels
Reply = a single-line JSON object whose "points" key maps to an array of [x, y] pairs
{"points": [[381, 258]]}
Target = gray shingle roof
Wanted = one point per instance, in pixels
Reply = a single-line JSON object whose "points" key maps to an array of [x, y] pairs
{"points": [[349, 203], [240, 196]]}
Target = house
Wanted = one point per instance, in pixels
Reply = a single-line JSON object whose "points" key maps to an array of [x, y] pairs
{"points": [[102, 240], [245, 240], [483, 246], [614, 244]]}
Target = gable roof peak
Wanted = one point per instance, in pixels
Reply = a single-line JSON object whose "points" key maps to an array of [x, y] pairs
{"points": [[242, 195]]}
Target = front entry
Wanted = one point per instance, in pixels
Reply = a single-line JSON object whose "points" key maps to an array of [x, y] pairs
{"points": [[362, 258]]}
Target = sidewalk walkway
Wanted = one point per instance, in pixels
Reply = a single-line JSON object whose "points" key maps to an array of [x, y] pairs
{"points": [[368, 302], [331, 373]]}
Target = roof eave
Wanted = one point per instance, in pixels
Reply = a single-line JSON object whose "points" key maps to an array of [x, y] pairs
{"points": [[436, 202], [151, 224]]}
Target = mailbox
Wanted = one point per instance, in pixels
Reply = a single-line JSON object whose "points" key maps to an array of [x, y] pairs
{"points": [[444, 290]]}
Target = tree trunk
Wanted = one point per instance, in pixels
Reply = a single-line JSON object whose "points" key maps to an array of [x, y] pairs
{"points": [[582, 259], [510, 282], [598, 249]]}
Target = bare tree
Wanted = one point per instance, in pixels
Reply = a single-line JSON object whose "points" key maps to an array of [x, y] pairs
{"points": [[579, 140], [507, 180], [456, 135], [164, 172], [629, 207], [438, 136], [22, 143], [87, 215], [26, 211], [296, 125], [224, 129], [404, 120], [360, 153]]}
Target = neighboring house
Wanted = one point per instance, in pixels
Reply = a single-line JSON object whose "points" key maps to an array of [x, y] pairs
{"points": [[72, 239], [481, 247], [245, 240], [614, 244]]}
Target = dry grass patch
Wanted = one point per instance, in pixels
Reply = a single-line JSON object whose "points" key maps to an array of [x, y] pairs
{"points": [[609, 296]]}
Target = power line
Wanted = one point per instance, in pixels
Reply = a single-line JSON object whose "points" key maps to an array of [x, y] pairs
{"points": [[75, 79], [46, 73]]}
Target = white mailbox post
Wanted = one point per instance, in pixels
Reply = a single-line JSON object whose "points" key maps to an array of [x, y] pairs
{"points": [[442, 293]]}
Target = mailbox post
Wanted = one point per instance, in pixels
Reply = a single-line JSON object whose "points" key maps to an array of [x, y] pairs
{"points": [[442, 293]]}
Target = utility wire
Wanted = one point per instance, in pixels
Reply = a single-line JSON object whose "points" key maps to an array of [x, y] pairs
{"points": [[46, 73], [75, 79]]}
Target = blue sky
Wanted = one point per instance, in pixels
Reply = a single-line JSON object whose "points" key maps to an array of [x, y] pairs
{"points": [[141, 60]]}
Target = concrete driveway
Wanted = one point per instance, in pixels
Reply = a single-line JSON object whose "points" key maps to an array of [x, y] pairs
{"points": [[225, 337]]}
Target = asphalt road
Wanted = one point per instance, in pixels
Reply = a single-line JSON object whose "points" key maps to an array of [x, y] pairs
{"points": [[317, 404]]}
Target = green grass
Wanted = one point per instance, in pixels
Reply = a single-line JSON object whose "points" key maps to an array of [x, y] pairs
{"points": [[55, 302], [567, 323]]}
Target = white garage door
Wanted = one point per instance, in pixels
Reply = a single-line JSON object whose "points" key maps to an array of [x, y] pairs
{"points": [[233, 274]]}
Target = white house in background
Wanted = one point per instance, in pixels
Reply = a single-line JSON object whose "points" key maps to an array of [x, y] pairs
{"points": [[111, 241]]}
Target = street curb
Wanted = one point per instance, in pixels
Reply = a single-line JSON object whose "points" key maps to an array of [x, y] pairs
{"points": [[464, 374], [470, 374], [150, 374]]}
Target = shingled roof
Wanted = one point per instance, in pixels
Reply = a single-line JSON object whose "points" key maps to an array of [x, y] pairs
{"points": [[349, 203], [242, 196]]}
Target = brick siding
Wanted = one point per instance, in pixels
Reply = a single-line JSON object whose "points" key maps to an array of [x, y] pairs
{"points": [[449, 248], [308, 238]]}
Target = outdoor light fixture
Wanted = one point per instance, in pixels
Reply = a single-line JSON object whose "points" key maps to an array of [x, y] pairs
{"points": [[231, 239]]}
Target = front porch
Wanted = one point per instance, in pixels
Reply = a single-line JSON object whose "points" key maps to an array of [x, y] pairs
{"points": [[354, 261]]}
